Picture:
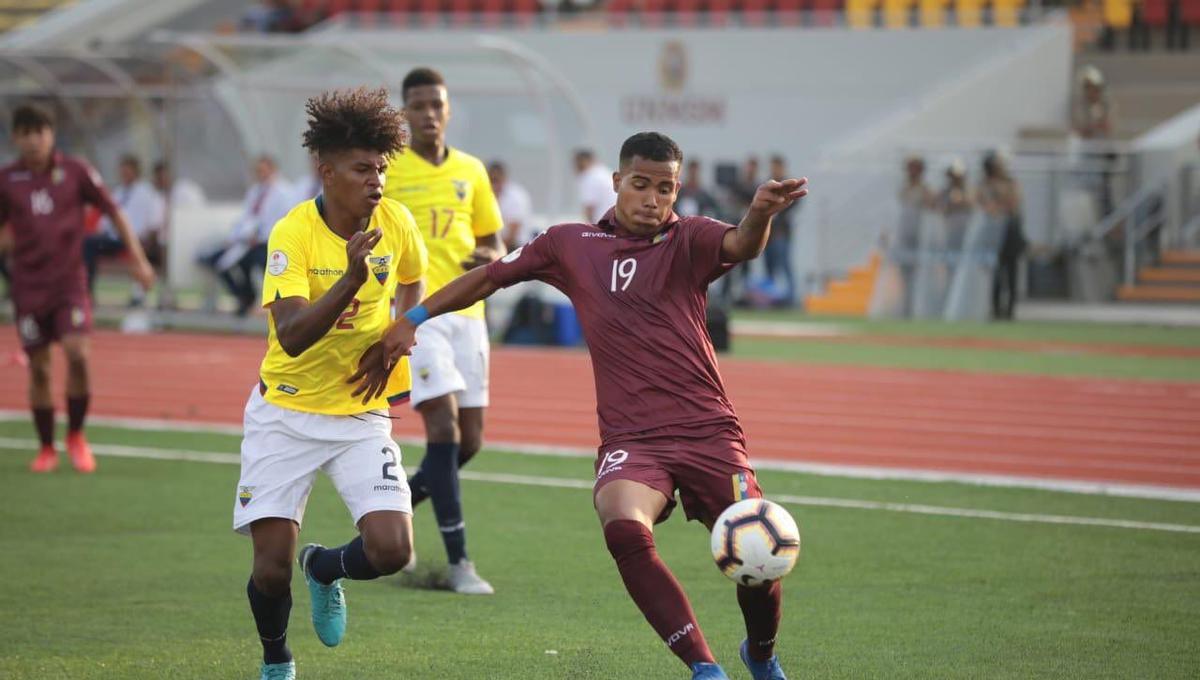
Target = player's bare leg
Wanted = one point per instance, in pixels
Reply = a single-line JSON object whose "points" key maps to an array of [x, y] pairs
{"points": [[437, 478], [41, 403], [270, 591], [627, 511], [76, 348], [470, 427]]}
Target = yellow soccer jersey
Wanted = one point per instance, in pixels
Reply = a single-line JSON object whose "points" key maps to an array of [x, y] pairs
{"points": [[306, 258], [452, 203]]}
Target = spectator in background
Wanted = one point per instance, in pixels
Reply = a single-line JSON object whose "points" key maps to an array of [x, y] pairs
{"points": [[1092, 119], [595, 186], [777, 258], [176, 194], [145, 212], [693, 198], [275, 16], [1000, 200], [916, 197], [516, 207], [240, 260], [956, 204], [741, 193]]}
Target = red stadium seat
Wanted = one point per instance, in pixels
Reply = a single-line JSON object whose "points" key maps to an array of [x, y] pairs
{"points": [[460, 12], [336, 7], [827, 12], [619, 11], [1154, 13], [430, 12], [526, 11], [719, 11], [791, 12], [687, 12], [652, 12]]}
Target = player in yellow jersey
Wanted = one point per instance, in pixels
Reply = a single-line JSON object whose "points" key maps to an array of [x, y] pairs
{"points": [[334, 266], [451, 198]]}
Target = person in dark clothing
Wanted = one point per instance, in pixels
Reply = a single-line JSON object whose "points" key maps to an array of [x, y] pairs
{"points": [[778, 256], [1000, 199]]}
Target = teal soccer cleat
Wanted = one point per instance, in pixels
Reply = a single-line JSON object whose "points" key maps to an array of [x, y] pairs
{"points": [[761, 670], [708, 671], [328, 602], [278, 671]]}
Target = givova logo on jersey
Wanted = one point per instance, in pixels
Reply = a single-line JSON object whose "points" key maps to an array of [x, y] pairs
{"points": [[380, 264]]}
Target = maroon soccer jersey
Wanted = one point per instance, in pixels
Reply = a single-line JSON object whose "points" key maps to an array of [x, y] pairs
{"points": [[641, 301], [45, 213]]}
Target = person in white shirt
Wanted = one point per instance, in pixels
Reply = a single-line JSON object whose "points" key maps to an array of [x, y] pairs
{"points": [[595, 185], [176, 194], [144, 209], [516, 207], [239, 261]]}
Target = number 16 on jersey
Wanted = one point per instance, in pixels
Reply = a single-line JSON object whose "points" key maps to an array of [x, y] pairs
{"points": [[624, 270]]}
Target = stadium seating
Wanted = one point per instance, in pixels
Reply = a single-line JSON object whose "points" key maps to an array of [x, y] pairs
{"points": [[1118, 14], [16, 13], [932, 13], [968, 13]]}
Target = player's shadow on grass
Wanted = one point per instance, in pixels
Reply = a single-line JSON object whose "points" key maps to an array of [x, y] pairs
{"points": [[424, 578]]}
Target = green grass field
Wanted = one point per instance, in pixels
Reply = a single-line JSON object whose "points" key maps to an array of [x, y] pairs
{"points": [[134, 573]]}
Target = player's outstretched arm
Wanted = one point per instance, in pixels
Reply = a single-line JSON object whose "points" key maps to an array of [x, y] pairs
{"points": [[299, 324], [750, 238], [139, 266], [460, 293]]}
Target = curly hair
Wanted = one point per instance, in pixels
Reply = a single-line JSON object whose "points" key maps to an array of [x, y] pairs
{"points": [[354, 119]]}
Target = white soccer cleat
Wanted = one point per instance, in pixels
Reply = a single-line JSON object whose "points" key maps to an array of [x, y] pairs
{"points": [[465, 581]]}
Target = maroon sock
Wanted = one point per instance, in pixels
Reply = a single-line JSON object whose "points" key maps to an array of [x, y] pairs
{"points": [[655, 590], [43, 421], [77, 408], [761, 608]]}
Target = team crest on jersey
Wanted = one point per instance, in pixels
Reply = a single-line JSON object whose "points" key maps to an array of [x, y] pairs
{"points": [[379, 266], [58, 175], [662, 236], [245, 494], [460, 188]]}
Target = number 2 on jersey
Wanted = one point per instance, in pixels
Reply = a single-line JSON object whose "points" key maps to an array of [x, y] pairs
{"points": [[344, 320], [624, 269], [447, 220]]}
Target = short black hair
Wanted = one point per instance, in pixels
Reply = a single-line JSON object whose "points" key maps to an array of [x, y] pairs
{"points": [[422, 75], [31, 118], [498, 165], [778, 158], [584, 154], [354, 119], [653, 146], [161, 165]]}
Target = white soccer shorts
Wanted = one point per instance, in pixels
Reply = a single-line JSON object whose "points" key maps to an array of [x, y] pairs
{"points": [[451, 357], [282, 450]]}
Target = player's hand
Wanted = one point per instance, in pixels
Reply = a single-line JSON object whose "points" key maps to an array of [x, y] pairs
{"points": [[773, 196], [143, 273], [357, 249], [374, 369], [400, 339], [479, 257]]}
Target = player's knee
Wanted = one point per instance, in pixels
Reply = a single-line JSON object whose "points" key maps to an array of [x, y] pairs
{"points": [[439, 429], [77, 360], [389, 556], [272, 575], [39, 372], [627, 538]]}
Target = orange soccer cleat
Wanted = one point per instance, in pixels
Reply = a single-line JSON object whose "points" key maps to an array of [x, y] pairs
{"points": [[46, 461], [80, 452]]}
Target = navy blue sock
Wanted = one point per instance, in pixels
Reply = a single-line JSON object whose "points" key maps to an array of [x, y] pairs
{"points": [[440, 469], [271, 618], [348, 561], [416, 484]]}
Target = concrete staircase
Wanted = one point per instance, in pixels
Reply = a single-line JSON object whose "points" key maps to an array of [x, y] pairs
{"points": [[850, 296], [1175, 280]]}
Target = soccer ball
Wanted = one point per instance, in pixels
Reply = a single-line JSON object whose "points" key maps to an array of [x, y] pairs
{"points": [[755, 542]]}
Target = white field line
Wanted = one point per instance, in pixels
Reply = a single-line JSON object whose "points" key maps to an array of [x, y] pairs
{"points": [[1086, 487], [566, 483]]}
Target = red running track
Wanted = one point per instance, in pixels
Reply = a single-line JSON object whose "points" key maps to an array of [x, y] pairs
{"points": [[1123, 431]]}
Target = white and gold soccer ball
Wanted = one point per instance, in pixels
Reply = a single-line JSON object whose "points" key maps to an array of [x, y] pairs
{"points": [[755, 542]]}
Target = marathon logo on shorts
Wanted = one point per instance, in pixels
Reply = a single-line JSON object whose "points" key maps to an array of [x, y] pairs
{"points": [[77, 316], [379, 267], [288, 389], [245, 495], [741, 486], [27, 327]]}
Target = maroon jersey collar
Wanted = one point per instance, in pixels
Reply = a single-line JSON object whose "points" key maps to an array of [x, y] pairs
{"points": [[609, 223], [56, 158]]}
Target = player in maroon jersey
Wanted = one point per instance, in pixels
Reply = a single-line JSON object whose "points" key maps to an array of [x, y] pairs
{"points": [[638, 280], [42, 197]]}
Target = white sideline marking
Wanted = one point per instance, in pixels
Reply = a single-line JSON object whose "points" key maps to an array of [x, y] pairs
{"points": [[567, 483], [1091, 488]]}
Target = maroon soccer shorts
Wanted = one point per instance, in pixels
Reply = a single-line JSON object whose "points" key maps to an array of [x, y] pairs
{"points": [[708, 467], [38, 329]]}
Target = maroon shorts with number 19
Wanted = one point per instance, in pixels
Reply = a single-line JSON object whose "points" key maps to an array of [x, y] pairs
{"points": [[708, 466]]}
